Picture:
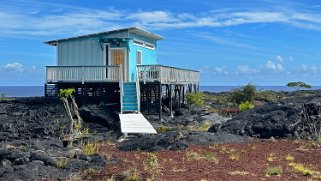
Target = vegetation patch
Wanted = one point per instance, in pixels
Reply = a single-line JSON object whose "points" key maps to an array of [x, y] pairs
{"points": [[274, 171], [62, 162], [246, 106], [90, 148], [299, 85], [209, 156], [195, 98], [244, 94], [300, 168], [234, 156], [241, 173], [289, 158]]}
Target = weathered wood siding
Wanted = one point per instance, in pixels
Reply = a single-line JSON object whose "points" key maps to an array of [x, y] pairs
{"points": [[80, 52], [84, 51]]}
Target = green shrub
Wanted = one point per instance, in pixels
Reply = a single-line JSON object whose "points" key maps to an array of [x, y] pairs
{"points": [[274, 171], [195, 98], [245, 106], [246, 93], [3, 96], [299, 85], [269, 95]]}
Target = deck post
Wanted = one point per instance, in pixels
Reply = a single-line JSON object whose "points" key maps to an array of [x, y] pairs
{"points": [[160, 101], [179, 95], [183, 94], [45, 91], [170, 101]]}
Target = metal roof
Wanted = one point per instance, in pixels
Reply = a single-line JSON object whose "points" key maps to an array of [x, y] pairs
{"points": [[134, 30]]}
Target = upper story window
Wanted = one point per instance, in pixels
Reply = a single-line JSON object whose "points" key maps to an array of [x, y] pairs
{"points": [[138, 42], [144, 44], [139, 57], [150, 46]]}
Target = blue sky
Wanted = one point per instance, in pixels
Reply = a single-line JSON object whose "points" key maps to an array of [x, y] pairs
{"points": [[231, 42]]}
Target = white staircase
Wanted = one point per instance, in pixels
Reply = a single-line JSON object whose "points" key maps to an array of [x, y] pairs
{"points": [[135, 124]]}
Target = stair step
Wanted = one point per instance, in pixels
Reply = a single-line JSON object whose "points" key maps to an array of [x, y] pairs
{"points": [[129, 86], [129, 99], [130, 92], [130, 108], [130, 95], [130, 104]]}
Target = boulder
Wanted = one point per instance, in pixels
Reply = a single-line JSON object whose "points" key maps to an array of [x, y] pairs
{"points": [[178, 140], [284, 119], [43, 157]]}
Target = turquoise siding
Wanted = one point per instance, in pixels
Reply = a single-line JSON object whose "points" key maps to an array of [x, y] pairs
{"points": [[148, 56]]}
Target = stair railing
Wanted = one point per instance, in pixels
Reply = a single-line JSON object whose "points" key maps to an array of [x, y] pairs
{"points": [[121, 87], [138, 89]]}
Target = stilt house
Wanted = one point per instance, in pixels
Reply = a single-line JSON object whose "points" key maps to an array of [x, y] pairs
{"points": [[119, 68]]}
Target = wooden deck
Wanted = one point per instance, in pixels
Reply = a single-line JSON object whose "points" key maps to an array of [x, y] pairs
{"points": [[135, 124], [145, 73], [167, 75]]}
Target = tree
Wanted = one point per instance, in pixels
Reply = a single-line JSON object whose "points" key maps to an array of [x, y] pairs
{"points": [[246, 93], [299, 85], [66, 95]]}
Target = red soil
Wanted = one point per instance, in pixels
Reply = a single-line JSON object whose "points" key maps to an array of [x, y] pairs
{"points": [[216, 162]]}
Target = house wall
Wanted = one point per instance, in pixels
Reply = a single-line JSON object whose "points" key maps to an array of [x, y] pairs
{"points": [[87, 51], [79, 52], [84, 51], [148, 56]]}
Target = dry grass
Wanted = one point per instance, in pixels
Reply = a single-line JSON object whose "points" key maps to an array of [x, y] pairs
{"points": [[90, 148]]}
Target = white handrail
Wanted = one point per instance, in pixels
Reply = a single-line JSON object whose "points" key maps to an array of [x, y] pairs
{"points": [[82, 74], [137, 90], [165, 74], [121, 88]]}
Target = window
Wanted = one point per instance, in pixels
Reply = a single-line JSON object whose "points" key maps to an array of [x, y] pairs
{"points": [[139, 57], [138, 42], [144, 44], [149, 45]]}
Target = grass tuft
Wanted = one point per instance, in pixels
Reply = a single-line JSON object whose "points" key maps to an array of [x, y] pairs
{"points": [[274, 171], [90, 148]]}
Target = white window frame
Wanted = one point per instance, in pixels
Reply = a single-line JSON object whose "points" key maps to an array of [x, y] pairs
{"points": [[140, 41], [152, 46], [141, 57]]}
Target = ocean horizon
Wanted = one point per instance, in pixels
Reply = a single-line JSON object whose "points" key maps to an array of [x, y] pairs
{"points": [[37, 91]]}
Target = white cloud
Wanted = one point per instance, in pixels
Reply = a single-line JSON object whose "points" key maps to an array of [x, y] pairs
{"points": [[28, 19], [310, 69], [220, 70], [276, 67], [245, 69], [279, 58], [223, 41], [304, 67], [16, 67], [152, 17]]}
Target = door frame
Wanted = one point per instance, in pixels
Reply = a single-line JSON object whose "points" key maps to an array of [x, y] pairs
{"points": [[106, 63], [126, 63]]}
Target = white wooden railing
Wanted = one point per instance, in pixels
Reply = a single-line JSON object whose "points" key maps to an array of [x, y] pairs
{"points": [[145, 73], [167, 75], [83, 74], [138, 90]]}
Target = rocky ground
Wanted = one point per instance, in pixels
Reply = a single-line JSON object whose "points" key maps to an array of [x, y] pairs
{"points": [[31, 148], [295, 117], [269, 160]]}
